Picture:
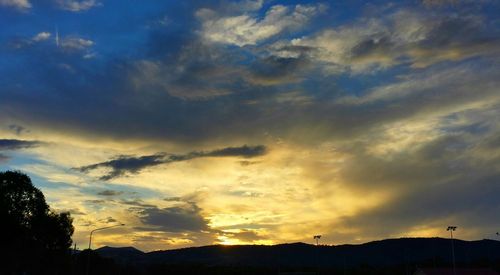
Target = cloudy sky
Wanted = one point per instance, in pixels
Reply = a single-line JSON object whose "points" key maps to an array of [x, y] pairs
{"points": [[255, 121]]}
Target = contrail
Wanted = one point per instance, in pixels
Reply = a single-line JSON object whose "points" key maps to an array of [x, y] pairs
{"points": [[57, 37]]}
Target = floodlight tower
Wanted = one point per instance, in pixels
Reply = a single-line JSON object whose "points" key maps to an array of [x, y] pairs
{"points": [[317, 237], [452, 228]]}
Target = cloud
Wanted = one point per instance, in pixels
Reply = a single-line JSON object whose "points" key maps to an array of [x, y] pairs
{"points": [[432, 3], [434, 199], [456, 81], [74, 211], [123, 164], [275, 70], [403, 37], [110, 220], [137, 204], [185, 218], [243, 235], [15, 144], [75, 43], [126, 164], [4, 158], [18, 129], [360, 111], [173, 199], [96, 202], [200, 73], [243, 6], [25, 42], [157, 115], [244, 29], [68, 44], [18, 4], [109, 193], [433, 170], [243, 151], [77, 5], [41, 36], [228, 95]]}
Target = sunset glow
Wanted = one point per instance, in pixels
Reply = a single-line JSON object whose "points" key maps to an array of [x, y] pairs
{"points": [[255, 122]]}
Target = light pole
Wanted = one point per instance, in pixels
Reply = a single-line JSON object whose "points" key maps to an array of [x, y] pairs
{"points": [[452, 228], [90, 241], [317, 237]]}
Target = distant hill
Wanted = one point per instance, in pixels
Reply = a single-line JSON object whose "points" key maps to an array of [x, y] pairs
{"points": [[390, 252], [122, 254]]}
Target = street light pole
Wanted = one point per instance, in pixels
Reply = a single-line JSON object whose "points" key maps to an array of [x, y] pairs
{"points": [[90, 241], [102, 228], [452, 228]]}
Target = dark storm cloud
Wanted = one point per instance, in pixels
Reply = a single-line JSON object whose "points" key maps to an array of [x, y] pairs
{"points": [[174, 219], [15, 144], [126, 164]]}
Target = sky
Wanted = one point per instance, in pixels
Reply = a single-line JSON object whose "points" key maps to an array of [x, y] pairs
{"points": [[255, 121]]}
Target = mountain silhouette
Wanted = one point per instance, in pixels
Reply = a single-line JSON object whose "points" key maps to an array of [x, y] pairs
{"points": [[433, 252]]}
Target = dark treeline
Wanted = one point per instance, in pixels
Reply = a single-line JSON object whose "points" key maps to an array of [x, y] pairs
{"points": [[34, 239]]}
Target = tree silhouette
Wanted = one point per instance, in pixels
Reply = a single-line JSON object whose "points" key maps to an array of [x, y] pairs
{"points": [[35, 239]]}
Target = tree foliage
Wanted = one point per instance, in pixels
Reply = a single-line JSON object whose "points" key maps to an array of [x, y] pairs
{"points": [[36, 239]]}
